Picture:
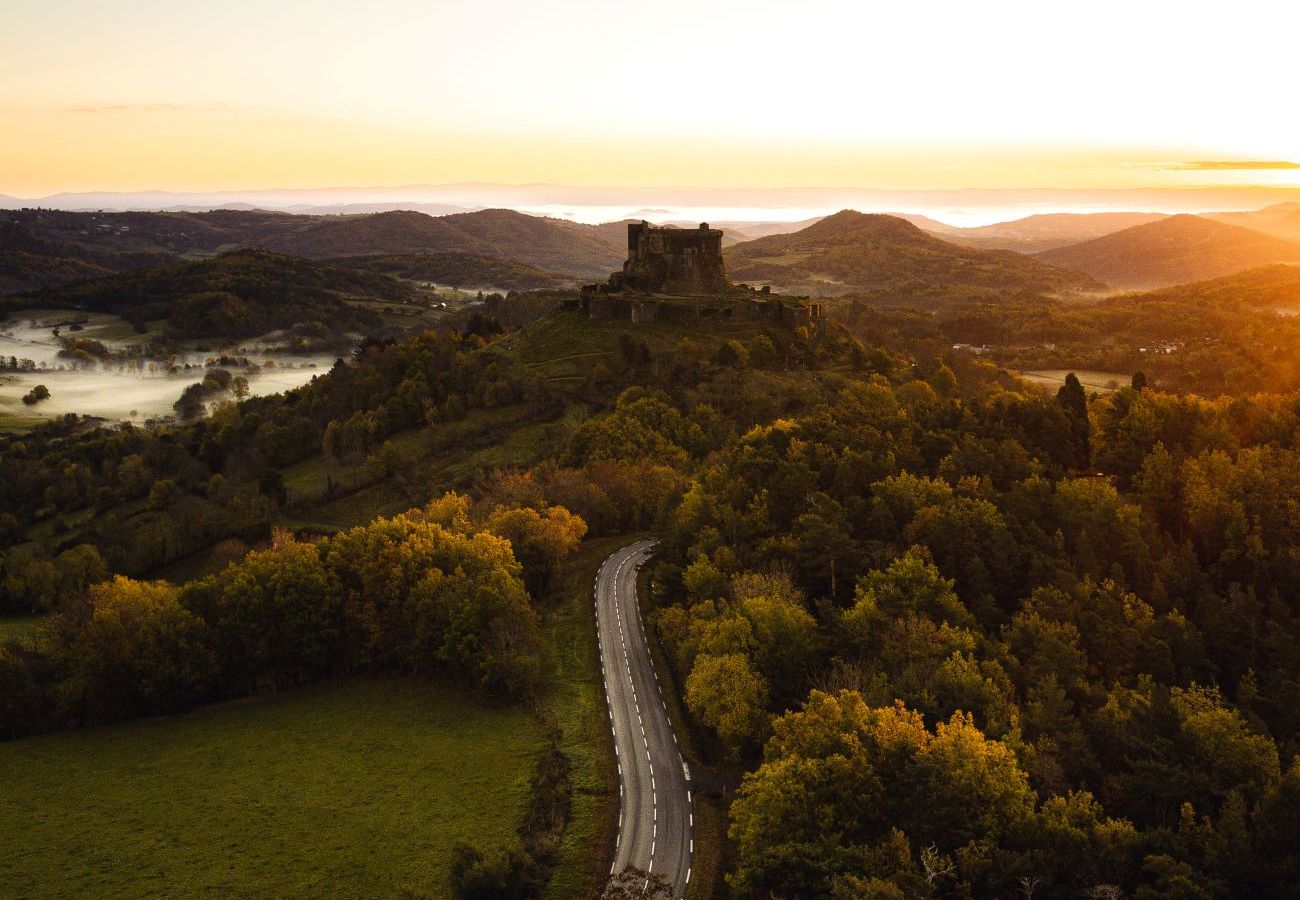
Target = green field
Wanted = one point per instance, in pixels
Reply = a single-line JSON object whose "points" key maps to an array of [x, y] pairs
{"points": [[349, 789], [1101, 382], [18, 628], [562, 348]]}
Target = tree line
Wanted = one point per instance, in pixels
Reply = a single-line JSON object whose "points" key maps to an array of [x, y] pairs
{"points": [[437, 591]]}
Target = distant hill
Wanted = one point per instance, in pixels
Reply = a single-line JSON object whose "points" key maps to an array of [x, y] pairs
{"points": [[29, 262], [461, 270], [852, 252], [925, 223], [1035, 234], [243, 293], [750, 231], [1170, 251], [551, 244], [1280, 220], [577, 250], [554, 244]]}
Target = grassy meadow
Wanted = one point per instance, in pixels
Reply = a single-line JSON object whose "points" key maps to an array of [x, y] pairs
{"points": [[357, 788], [19, 628]]}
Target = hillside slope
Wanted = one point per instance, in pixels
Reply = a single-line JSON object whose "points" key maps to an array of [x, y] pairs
{"points": [[552, 244], [1280, 220], [1275, 288], [852, 252], [29, 262], [1171, 251], [239, 294], [461, 270], [1035, 234], [574, 249]]}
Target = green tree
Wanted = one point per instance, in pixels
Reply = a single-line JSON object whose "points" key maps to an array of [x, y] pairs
{"points": [[275, 619], [726, 694], [838, 775], [138, 652], [540, 539], [1074, 401]]}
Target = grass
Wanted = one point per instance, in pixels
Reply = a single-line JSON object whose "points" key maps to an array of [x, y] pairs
{"points": [[355, 788], [434, 460], [577, 702], [564, 346], [18, 424], [19, 628], [712, 848]]}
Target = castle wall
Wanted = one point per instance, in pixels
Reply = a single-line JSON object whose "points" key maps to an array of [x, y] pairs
{"points": [[678, 261]]}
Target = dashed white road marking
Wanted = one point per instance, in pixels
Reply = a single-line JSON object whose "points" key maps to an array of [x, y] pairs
{"points": [[636, 554]]}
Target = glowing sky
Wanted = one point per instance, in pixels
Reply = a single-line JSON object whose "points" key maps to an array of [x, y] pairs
{"points": [[142, 94]]}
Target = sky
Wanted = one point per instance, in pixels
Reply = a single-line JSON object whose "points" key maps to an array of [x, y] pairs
{"points": [[152, 95]]}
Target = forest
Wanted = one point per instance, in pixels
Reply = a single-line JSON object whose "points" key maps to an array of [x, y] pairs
{"points": [[948, 634]]}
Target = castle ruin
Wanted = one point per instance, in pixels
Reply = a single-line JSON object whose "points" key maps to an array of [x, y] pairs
{"points": [[679, 273], [682, 262]]}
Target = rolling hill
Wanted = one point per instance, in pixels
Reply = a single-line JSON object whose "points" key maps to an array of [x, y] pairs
{"points": [[551, 244], [243, 293], [1280, 220], [1171, 251], [852, 252], [554, 244], [117, 241], [29, 262], [1035, 234]]}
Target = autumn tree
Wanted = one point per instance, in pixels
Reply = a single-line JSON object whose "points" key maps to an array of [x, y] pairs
{"points": [[138, 652]]}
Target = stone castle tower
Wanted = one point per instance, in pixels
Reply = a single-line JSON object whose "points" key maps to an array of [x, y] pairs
{"points": [[676, 261]]}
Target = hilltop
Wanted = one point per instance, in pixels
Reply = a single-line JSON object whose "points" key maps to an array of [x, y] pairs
{"points": [[238, 294], [1171, 251], [853, 252]]}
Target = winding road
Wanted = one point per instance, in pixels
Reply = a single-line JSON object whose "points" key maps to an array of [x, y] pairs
{"points": [[655, 821]]}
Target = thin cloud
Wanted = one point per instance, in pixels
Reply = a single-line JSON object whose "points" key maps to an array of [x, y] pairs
{"points": [[147, 107], [1230, 165]]}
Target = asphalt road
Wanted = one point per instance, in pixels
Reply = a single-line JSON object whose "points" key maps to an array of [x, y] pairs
{"points": [[655, 821]]}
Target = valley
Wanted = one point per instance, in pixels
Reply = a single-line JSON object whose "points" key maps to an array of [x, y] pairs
{"points": [[356, 504]]}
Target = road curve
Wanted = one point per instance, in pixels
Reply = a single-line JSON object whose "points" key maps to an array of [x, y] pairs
{"points": [[655, 821]]}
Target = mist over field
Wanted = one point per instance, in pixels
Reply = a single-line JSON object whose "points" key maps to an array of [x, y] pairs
{"points": [[137, 389]]}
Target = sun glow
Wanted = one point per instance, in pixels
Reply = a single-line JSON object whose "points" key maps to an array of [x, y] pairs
{"points": [[186, 96]]}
